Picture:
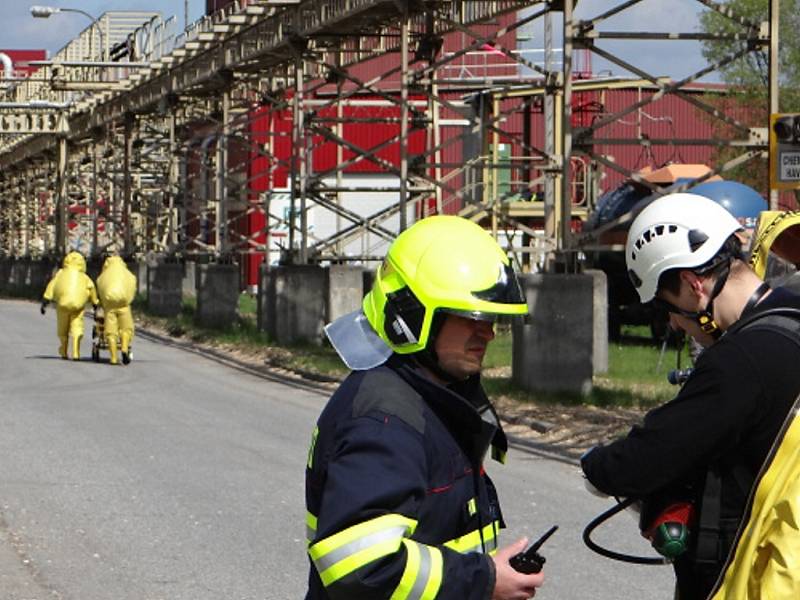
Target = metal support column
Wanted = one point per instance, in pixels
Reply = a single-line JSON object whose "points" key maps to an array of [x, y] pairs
{"points": [[564, 215], [29, 215], [221, 239], [126, 186], [95, 217], [339, 129], [298, 154], [552, 139], [774, 72], [61, 198], [494, 172], [435, 132], [404, 74], [171, 236]]}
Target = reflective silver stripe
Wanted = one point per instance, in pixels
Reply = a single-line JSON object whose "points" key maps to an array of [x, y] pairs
{"points": [[423, 573], [345, 551], [311, 527], [474, 537]]}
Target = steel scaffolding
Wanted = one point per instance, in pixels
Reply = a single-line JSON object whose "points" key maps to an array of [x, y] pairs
{"points": [[218, 141]]}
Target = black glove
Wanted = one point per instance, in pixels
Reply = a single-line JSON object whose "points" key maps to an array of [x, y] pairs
{"points": [[43, 307]]}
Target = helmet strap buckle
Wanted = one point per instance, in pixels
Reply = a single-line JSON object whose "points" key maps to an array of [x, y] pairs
{"points": [[707, 324]]}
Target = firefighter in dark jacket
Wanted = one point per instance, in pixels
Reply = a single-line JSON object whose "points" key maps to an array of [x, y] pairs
{"points": [[398, 503], [709, 443]]}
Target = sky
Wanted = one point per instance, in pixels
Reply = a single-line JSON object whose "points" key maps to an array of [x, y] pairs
{"points": [[675, 59], [21, 31]]}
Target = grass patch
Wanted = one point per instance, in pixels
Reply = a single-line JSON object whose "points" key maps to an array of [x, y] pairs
{"points": [[636, 376]]}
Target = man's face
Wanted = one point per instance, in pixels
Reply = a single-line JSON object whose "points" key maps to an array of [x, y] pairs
{"points": [[461, 345], [690, 300]]}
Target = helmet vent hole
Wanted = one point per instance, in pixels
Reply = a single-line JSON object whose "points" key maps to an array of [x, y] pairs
{"points": [[659, 230], [696, 239], [673, 228]]}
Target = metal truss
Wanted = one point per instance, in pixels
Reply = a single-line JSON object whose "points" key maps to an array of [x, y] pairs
{"points": [[183, 148]]}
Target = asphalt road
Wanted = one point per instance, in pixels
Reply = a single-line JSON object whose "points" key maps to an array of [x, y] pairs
{"points": [[179, 478]]}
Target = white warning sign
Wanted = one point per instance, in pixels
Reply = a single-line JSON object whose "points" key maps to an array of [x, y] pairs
{"points": [[784, 151], [790, 166]]}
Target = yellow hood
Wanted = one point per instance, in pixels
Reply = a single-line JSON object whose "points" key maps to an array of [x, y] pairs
{"points": [[114, 262], [75, 260]]}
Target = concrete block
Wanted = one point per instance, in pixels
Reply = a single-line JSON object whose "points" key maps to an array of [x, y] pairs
{"points": [[217, 295], [296, 301], [16, 278], [39, 275], [553, 349], [164, 288], [5, 275], [298, 297], [599, 321], [139, 269], [265, 302], [190, 280], [345, 290]]}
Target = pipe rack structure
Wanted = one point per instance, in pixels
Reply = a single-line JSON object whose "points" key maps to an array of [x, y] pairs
{"points": [[216, 141]]}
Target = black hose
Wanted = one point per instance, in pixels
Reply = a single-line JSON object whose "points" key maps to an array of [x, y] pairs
{"points": [[602, 518]]}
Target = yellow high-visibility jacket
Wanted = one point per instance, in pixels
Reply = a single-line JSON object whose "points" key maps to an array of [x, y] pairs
{"points": [[765, 562]]}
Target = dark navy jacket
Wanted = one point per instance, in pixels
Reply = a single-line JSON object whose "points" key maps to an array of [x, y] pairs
{"points": [[390, 447]]}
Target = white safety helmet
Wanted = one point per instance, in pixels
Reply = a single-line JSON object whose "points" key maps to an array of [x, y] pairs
{"points": [[675, 231]]}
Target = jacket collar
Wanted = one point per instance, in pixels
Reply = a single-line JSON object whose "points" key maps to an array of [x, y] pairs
{"points": [[462, 406]]}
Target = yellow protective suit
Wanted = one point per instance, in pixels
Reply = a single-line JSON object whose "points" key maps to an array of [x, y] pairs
{"points": [[766, 562], [71, 289], [116, 286], [778, 233]]}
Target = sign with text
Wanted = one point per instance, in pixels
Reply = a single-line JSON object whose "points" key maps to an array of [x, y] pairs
{"points": [[784, 151]]}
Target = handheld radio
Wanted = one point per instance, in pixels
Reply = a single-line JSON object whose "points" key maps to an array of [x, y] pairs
{"points": [[530, 561]]}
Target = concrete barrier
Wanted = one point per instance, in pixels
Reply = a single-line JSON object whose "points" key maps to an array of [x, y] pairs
{"points": [[26, 277], [190, 278], [16, 278], [5, 275], [345, 289], [599, 321], [164, 288], [139, 269], [555, 348], [39, 274], [296, 301], [217, 295]]}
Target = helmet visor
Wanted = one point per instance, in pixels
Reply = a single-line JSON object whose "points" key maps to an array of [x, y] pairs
{"points": [[474, 315], [506, 291]]}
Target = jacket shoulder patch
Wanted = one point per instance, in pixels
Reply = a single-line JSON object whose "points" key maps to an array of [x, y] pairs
{"points": [[383, 391]]}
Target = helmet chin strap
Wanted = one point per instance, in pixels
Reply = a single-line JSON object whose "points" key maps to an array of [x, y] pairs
{"points": [[705, 318]]}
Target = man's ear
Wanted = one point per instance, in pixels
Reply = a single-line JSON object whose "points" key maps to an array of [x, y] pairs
{"points": [[693, 280]]}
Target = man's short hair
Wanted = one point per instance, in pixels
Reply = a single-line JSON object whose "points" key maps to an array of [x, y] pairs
{"points": [[670, 281]]}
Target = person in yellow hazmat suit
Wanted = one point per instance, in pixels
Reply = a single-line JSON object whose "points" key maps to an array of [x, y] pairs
{"points": [[71, 288], [116, 286]]}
